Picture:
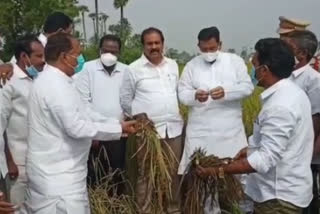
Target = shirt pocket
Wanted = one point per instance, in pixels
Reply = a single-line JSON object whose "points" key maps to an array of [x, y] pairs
{"points": [[149, 83], [170, 82]]}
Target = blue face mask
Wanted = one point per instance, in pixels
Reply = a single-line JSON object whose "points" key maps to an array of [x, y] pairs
{"points": [[81, 61], [253, 76], [32, 71]]}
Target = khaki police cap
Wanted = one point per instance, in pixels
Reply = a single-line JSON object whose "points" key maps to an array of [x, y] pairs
{"points": [[289, 25]]}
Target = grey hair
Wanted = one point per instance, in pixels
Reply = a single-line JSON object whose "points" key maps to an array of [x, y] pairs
{"points": [[305, 41]]}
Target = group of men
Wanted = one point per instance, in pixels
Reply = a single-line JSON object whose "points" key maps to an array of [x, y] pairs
{"points": [[51, 119]]}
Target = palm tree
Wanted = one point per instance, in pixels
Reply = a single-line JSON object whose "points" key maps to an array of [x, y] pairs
{"points": [[93, 17], [83, 9], [97, 20], [104, 18], [120, 4]]}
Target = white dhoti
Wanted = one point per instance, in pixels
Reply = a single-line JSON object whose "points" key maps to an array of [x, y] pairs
{"points": [[60, 193], [37, 203]]}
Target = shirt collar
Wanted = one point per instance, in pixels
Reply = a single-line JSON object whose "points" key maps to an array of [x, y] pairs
{"points": [[299, 71], [145, 60], [101, 68], [60, 73], [43, 39], [19, 72], [271, 90]]}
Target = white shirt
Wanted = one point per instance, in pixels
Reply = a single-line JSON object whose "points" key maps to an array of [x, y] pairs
{"points": [[281, 147], [214, 125], [61, 128], [14, 108], [3, 160], [153, 90], [101, 89], [309, 80]]}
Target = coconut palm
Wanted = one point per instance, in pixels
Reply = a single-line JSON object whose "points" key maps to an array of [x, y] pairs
{"points": [[104, 18], [120, 4], [83, 9], [97, 20], [93, 17]]}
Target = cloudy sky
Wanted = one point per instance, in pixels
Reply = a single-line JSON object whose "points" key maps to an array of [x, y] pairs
{"points": [[241, 22]]}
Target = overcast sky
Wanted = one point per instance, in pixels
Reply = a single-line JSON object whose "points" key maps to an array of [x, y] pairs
{"points": [[241, 22]]}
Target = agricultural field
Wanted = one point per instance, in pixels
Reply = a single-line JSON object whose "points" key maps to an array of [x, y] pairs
{"points": [[105, 203]]}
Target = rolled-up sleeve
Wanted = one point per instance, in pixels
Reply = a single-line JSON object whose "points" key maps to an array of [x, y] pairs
{"points": [[243, 86], [277, 126]]}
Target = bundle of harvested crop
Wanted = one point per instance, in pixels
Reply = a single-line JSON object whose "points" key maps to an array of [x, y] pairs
{"points": [[102, 197], [200, 190], [101, 202], [156, 162]]}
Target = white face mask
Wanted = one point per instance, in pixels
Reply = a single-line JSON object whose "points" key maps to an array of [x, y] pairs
{"points": [[210, 56], [108, 59]]}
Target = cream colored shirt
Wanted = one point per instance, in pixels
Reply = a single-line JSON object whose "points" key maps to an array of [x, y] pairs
{"points": [[153, 90]]}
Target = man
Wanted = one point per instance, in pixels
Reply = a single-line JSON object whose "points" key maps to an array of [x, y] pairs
{"points": [[212, 85], [61, 128], [14, 96], [151, 87], [55, 23], [99, 85], [280, 150], [288, 26], [304, 45]]}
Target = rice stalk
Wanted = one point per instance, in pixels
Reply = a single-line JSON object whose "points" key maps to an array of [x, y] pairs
{"points": [[102, 203], [156, 161], [102, 199], [199, 190]]}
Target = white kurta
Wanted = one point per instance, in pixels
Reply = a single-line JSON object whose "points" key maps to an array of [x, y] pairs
{"points": [[215, 125], [61, 128], [13, 120]]}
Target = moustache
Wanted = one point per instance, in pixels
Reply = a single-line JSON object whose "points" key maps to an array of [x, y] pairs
{"points": [[155, 50]]}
